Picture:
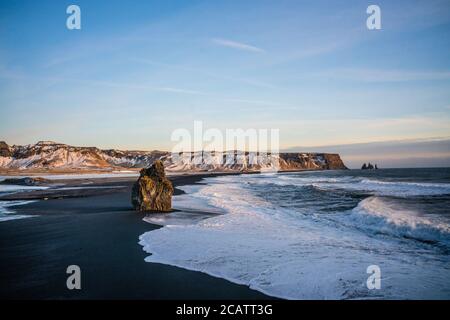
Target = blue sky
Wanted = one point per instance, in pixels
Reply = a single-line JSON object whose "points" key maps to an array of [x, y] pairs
{"points": [[138, 70]]}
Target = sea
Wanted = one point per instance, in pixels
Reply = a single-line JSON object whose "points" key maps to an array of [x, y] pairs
{"points": [[315, 234]]}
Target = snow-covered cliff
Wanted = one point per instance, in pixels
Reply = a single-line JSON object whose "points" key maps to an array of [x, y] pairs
{"points": [[52, 155]]}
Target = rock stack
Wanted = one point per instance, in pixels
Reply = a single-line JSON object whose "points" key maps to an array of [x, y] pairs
{"points": [[153, 191]]}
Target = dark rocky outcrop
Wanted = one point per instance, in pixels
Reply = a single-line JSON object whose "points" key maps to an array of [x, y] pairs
{"points": [[311, 161], [333, 161], [369, 167], [5, 150], [153, 191]]}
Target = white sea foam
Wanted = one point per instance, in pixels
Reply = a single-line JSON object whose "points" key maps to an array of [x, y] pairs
{"points": [[94, 187], [192, 199], [263, 247], [5, 188], [7, 213]]}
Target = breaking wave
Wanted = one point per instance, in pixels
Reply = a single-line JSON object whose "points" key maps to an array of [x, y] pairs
{"points": [[387, 216]]}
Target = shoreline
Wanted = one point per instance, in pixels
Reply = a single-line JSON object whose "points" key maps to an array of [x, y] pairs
{"points": [[100, 233]]}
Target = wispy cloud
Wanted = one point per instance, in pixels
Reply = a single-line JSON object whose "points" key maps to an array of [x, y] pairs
{"points": [[178, 90], [251, 101], [433, 151], [142, 87], [259, 103], [296, 131], [237, 45], [380, 75], [209, 74], [12, 76]]}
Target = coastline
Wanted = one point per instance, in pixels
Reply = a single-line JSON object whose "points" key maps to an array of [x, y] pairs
{"points": [[99, 232]]}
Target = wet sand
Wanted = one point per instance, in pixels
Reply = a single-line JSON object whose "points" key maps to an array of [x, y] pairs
{"points": [[98, 231]]}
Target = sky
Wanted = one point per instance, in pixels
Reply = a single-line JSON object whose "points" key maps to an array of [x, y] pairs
{"points": [[137, 71]]}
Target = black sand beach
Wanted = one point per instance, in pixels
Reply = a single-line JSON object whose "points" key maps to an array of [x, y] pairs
{"points": [[99, 232]]}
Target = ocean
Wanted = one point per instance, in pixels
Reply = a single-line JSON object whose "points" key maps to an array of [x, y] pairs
{"points": [[313, 235]]}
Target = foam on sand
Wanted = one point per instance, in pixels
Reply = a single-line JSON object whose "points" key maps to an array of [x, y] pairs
{"points": [[6, 188], [6, 213]]}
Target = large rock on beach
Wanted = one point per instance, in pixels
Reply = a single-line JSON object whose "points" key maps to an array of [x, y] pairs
{"points": [[152, 192]]}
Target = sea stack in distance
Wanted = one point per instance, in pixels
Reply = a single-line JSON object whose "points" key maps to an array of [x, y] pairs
{"points": [[152, 192]]}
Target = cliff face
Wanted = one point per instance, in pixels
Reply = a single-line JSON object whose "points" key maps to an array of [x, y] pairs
{"points": [[47, 154], [51, 155], [334, 161], [5, 150], [312, 161]]}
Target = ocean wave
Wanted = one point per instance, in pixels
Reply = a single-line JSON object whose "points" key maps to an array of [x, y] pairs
{"points": [[378, 215], [388, 188], [298, 180], [357, 184]]}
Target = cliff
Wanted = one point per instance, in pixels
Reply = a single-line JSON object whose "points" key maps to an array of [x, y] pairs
{"points": [[50, 155], [5, 150]]}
